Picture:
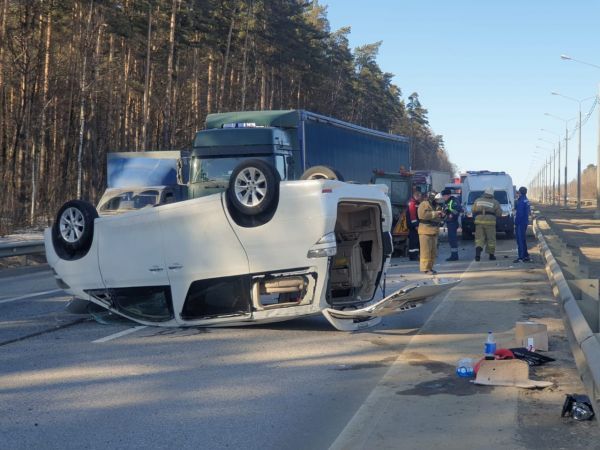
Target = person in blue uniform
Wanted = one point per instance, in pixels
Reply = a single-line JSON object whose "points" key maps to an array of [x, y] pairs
{"points": [[521, 223], [452, 209]]}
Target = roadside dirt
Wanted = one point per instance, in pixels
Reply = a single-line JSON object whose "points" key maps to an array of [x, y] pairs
{"points": [[539, 411]]}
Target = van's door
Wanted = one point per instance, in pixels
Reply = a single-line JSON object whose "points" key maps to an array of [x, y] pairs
{"points": [[206, 265], [407, 298]]}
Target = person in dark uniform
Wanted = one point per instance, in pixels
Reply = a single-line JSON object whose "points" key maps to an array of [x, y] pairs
{"points": [[521, 223], [452, 209], [412, 219]]}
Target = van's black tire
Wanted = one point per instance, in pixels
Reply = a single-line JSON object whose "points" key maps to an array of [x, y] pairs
{"points": [[321, 173], [73, 229], [253, 188]]}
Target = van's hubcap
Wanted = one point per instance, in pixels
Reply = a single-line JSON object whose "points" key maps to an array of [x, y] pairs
{"points": [[250, 186], [72, 224]]}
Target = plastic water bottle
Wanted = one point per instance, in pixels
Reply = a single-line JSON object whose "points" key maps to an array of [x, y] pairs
{"points": [[490, 346], [464, 368]]}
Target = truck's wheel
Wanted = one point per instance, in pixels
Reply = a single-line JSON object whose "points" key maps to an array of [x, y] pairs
{"points": [[321, 173], [467, 235], [73, 229], [253, 188]]}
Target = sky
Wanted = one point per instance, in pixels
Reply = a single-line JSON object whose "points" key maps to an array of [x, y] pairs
{"points": [[485, 70]]}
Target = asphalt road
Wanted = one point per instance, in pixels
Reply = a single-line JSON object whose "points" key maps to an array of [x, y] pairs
{"points": [[289, 385]]}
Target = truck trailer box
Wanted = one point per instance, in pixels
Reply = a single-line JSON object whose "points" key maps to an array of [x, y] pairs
{"points": [[292, 141]]}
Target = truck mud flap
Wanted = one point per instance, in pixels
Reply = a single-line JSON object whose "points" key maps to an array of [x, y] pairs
{"points": [[408, 297]]}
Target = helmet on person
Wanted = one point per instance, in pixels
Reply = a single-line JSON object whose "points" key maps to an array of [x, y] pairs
{"points": [[523, 190], [489, 190]]}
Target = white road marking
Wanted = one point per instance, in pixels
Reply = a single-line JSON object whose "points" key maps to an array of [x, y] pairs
{"points": [[119, 334], [37, 294], [371, 407]]}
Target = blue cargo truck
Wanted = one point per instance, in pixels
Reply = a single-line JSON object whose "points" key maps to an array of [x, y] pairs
{"points": [[297, 143]]}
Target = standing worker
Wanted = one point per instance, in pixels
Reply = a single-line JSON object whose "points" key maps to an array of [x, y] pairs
{"points": [[485, 209], [452, 210], [430, 220], [521, 223], [412, 220]]}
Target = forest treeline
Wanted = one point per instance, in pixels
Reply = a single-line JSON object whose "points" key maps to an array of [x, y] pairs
{"points": [[79, 79]]}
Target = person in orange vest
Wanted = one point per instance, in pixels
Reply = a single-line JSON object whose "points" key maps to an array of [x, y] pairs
{"points": [[412, 220]]}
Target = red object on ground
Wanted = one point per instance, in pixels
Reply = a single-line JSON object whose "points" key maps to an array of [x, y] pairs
{"points": [[501, 353]]}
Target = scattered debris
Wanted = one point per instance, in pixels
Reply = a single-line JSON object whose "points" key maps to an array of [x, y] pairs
{"points": [[578, 407], [464, 368], [507, 372], [532, 335], [531, 358]]}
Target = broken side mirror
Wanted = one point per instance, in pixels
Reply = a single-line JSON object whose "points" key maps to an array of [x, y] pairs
{"points": [[183, 171]]}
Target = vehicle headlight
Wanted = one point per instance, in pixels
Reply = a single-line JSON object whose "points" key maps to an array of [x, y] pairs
{"points": [[329, 238], [324, 247]]}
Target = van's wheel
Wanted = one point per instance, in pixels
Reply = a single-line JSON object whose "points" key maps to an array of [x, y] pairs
{"points": [[321, 173], [73, 229], [253, 188]]}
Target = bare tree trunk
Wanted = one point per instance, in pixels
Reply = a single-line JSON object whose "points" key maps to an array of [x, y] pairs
{"points": [[146, 105], [196, 96], [125, 100], [42, 164], [209, 81], [245, 57], [83, 89], [263, 88], [272, 93], [169, 103], [226, 62], [3, 115]]}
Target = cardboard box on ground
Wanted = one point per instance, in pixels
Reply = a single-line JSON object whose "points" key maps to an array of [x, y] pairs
{"points": [[532, 335]]}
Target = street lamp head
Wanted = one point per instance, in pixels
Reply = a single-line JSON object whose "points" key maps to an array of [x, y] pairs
{"points": [[565, 57]]}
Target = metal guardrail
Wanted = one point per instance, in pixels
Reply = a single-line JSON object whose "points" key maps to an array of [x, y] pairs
{"points": [[585, 344], [572, 202], [22, 248]]}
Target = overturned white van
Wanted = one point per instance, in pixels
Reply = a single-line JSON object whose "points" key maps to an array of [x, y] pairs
{"points": [[261, 251]]}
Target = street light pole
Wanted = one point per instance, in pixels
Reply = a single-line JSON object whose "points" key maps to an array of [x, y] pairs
{"points": [[566, 164], [566, 121], [597, 212], [579, 102], [555, 169], [548, 175]]}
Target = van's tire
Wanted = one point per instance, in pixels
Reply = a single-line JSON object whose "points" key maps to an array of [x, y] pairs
{"points": [[73, 229], [321, 173], [253, 188]]}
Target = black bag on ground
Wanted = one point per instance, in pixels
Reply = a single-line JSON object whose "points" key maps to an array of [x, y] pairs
{"points": [[532, 358]]}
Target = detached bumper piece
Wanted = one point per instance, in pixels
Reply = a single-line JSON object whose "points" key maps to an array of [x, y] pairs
{"points": [[409, 297]]}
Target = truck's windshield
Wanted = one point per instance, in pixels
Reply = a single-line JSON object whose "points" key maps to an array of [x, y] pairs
{"points": [[129, 200], [498, 195], [217, 169], [399, 190]]}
